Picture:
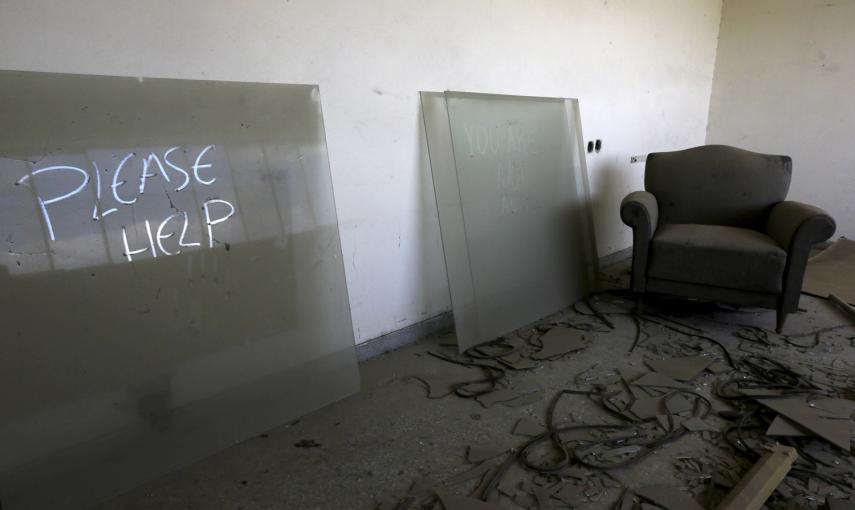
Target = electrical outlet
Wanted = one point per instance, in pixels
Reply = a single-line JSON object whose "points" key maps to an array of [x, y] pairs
{"points": [[638, 159]]}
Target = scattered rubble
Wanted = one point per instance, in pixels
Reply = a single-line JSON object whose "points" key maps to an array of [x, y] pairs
{"points": [[733, 394]]}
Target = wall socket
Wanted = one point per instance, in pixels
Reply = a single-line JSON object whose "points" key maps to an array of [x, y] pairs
{"points": [[638, 159]]}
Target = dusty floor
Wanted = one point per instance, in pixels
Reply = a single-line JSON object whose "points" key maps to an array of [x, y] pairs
{"points": [[374, 445]]}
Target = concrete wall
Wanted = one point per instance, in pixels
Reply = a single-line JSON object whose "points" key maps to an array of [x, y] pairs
{"points": [[784, 82], [641, 68]]}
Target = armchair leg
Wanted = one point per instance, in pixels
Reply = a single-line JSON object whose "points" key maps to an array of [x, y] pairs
{"points": [[782, 318]]}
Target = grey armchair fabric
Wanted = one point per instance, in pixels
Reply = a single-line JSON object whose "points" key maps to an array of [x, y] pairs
{"points": [[713, 224]]}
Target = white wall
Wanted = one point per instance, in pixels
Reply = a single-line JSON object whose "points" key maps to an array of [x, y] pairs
{"points": [[641, 68], [784, 83]]}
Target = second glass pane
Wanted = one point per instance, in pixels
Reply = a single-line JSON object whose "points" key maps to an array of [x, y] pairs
{"points": [[523, 205]]}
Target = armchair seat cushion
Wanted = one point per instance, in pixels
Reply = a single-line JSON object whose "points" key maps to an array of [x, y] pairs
{"points": [[719, 256]]}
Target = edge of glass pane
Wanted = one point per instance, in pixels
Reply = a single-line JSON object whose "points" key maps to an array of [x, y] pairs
{"points": [[483, 95], [574, 120], [450, 212]]}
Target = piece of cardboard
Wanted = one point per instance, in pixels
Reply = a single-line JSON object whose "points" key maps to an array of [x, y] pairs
{"points": [[797, 410], [678, 404], [834, 407], [782, 427], [638, 391], [559, 341], [518, 362], [646, 408]]}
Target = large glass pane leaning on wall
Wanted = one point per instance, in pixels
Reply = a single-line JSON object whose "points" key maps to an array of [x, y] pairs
{"points": [[172, 277], [512, 196]]}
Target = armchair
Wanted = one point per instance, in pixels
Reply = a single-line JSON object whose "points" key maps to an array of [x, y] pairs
{"points": [[713, 224]]}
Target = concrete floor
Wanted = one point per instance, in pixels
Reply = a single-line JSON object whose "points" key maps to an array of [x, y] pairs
{"points": [[373, 445]]}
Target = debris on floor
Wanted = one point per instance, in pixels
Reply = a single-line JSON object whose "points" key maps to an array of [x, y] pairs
{"points": [[741, 398]]}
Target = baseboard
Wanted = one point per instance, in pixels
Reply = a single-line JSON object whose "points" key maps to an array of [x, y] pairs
{"points": [[397, 339]]}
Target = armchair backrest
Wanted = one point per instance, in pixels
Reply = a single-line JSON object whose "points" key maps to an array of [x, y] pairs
{"points": [[717, 185]]}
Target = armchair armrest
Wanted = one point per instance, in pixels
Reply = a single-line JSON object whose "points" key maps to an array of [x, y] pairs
{"points": [[796, 227], [640, 210]]}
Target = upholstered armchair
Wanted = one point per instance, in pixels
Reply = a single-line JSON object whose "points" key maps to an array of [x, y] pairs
{"points": [[713, 224]]}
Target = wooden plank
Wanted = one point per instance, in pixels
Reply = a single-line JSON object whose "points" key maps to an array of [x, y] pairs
{"points": [[761, 480]]}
